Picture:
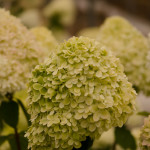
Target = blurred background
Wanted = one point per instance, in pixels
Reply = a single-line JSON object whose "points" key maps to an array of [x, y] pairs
{"points": [[66, 18], [74, 15]]}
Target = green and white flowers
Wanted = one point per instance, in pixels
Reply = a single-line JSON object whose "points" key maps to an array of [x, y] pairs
{"points": [[145, 135], [19, 53], [131, 47], [45, 39], [80, 91]]}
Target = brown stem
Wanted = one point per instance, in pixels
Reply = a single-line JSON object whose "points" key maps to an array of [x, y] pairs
{"points": [[114, 146], [17, 139]]}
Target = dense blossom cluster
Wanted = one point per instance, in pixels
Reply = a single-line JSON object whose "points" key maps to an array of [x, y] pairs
{"points": [[19, 53], [12, 75], [45, 38], [131, 47], [145, 135], [81, 91], [64, 10]]}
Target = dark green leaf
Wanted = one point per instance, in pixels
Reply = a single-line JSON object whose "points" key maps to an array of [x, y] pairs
{"points": [[136, 89], [124, 138], [1, 125], [22, 139], [10, 113], [3, 139], [144, 113], [86, 145], [25, 112], [1, 122]]}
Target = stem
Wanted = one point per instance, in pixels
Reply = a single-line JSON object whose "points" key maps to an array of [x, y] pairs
{"points": [[25, 112], [9, 96], [17, 139], [114, 146]]}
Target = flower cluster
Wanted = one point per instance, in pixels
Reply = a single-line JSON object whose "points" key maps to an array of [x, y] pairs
{"points": [[64, 10], [45, 38], [130, 46], [145, 135], [19, 53], [12, 75], [80, 91]]}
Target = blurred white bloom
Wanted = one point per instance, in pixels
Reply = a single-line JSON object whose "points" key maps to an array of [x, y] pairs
{"points": [[31, 18], [13, 75], [63, 9], [131, 47], [145, 135], [80, 92], [19, 53], [46, 39]]}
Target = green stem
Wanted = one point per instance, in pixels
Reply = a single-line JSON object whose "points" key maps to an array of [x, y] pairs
{"points": [[9, 96], [25, 112]]}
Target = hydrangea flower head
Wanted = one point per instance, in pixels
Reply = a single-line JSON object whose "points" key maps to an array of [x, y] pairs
{"points": [[129, 45], [16, 41], [45, 38], [145, 135], [12, 76], [19, 53], [81, 91]]}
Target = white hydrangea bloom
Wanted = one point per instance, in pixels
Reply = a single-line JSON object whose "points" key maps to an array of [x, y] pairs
{"points": [[81, 91], [12, 75], [64, 9], [145, 135], [130, 46], [45, 38], [19, 53]]}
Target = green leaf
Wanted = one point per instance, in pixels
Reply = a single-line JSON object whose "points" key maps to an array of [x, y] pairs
{"points": [[25, 111], [3, 139], [136, 89], [86, 145], [143, 113], [124, 138], [23, 141], [10, 113]]}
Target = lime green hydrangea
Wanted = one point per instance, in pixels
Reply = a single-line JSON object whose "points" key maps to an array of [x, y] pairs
{"points": [[145, 135], [130, 46], [19, 53], [45, 38], [81, 91]]}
